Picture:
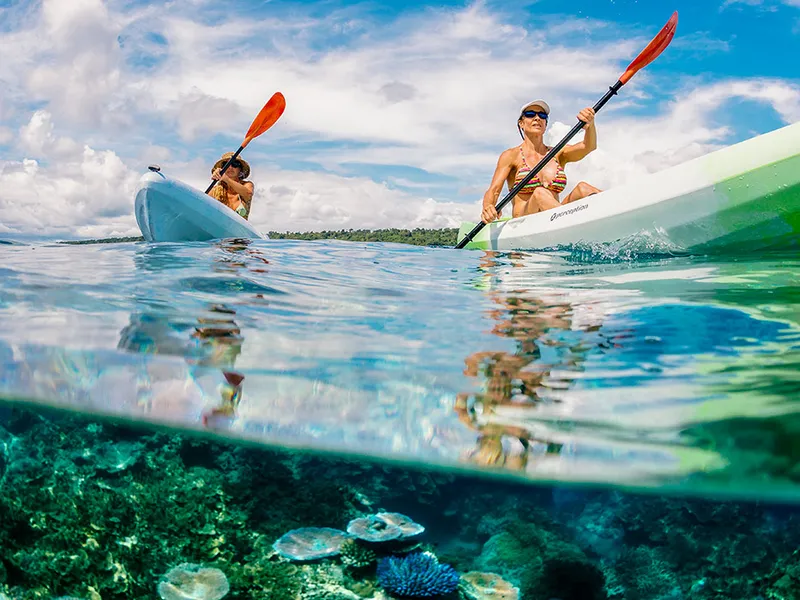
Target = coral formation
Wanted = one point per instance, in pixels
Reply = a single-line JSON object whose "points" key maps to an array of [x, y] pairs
{"points": [[263, 572], [357, 555], [324, 581], [417, 575], [95, 510], [784, 581], [384, 527], [81, 516], [408, 528], [476, 585], [193, 582], [643, 574], [569, 579], [373, 529], [310, 543]]}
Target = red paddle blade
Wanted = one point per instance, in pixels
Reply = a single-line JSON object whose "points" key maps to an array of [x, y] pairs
{"points": [[653, 49], [233, 378], [265, 119]]}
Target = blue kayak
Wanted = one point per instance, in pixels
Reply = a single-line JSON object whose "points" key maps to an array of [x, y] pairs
{"points": [[168, 210]]}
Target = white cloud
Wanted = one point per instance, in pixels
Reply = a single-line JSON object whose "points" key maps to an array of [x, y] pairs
{"points": [[301, 202], [701, 43], [287, 200], [38, 140], [745, 2], [65, 189], [771, 5], [78, 70], [689, 127], [72, 191], [127, 85]]}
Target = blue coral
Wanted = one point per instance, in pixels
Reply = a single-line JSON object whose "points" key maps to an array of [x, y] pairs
{"points": [[417, 575]]}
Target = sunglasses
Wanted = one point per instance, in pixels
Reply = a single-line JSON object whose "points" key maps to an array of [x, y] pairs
{"points": [[235, 164], [532, 113]]}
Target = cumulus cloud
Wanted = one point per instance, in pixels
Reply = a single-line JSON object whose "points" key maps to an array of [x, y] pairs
{"points": [[96, 90], [69, 190], [63, 188], [78, 70], [298, 201]]}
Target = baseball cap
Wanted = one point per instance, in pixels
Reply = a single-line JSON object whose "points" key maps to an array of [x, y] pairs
{"points": [[541, 103]]}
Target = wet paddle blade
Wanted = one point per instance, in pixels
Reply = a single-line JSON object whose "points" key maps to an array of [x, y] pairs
{"points": [[653, 49], [265, 119]]}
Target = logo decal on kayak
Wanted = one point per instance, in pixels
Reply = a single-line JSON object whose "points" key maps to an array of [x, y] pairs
{"points": [[561, 213]]}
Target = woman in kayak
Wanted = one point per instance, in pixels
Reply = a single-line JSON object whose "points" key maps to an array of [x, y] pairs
{"points": [[233, 189], [542, 191]]}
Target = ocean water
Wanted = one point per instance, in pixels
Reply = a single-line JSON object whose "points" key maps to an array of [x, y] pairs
{"points": [[592, 422]]}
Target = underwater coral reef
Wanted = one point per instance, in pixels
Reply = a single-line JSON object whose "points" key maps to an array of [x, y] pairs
{"points": [[94, 509]]}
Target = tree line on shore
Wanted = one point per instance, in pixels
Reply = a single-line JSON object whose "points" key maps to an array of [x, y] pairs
{"points": [[416, 237]]}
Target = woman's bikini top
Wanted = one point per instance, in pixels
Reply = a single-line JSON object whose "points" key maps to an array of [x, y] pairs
{"points": [[558, 185], [220, 192]]}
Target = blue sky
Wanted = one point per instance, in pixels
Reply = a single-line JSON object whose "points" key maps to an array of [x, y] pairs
{"points": [[396, 112]]}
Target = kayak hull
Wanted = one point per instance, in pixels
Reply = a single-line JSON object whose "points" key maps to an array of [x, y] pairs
{"points": [[168, 210], [742, 197]]}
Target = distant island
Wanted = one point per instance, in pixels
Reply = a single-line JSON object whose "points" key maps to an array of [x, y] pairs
{"points": [[415, 237]]}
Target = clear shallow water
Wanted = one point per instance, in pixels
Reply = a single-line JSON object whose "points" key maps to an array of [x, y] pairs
{"points": [[592, 366]]}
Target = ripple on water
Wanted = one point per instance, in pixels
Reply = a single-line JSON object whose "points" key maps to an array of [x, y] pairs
{"points": [[624, 365]]}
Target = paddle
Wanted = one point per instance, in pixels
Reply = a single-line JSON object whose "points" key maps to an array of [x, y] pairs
{"points": [[265, 119], [657, 45]]}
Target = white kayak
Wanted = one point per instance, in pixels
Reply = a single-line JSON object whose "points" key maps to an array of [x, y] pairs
{"points": [[743, 197], [168, 210]]}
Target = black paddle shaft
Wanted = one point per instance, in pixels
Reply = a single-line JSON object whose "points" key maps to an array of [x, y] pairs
{"points": [[541, 164], [225, 168]]}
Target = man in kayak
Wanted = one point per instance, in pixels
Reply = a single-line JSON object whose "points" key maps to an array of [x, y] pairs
{"points": [[542, 191], [233, 189]]}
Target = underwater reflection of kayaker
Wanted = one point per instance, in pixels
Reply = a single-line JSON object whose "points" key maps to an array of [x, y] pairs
{"points": [[233, 189], [497, 444], [511, 383], [221, 340], [215, 342], [238, 251], [218, 337], [542, 191]]}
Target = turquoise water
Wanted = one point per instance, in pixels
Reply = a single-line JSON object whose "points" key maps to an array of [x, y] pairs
{"points": [[603, 366]]}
